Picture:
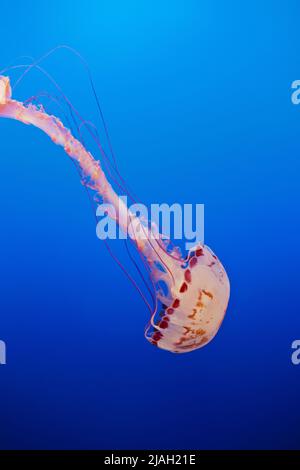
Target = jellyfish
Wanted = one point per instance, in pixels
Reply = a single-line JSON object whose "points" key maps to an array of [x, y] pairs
{"points": [[188, 312]]}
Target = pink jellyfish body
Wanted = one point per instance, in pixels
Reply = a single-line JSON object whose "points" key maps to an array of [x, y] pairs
{"points": [[197, 287]]}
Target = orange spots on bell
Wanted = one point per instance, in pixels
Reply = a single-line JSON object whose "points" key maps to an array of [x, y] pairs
{"points": [[200, 332], [192, 316], [176, 303], [181, 340], [187, 330], [199, 252], [203, 341], [199, 304], [209, 294], [193, 261]]}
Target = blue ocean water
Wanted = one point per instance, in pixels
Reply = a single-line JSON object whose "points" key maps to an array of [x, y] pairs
{"points": [[197, 97]]}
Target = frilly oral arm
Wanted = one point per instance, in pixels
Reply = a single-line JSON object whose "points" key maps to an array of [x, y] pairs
{"points": [[92, 173]]}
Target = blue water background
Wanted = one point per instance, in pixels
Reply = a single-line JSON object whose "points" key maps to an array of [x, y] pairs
{"points": [[197, 97]]}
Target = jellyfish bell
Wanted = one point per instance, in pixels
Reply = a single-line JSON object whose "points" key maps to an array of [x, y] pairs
{"points": [[195, 304], [193, 291]]}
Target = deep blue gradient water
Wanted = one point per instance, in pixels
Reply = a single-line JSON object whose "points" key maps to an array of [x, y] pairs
{"points": [[197, 97]]}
